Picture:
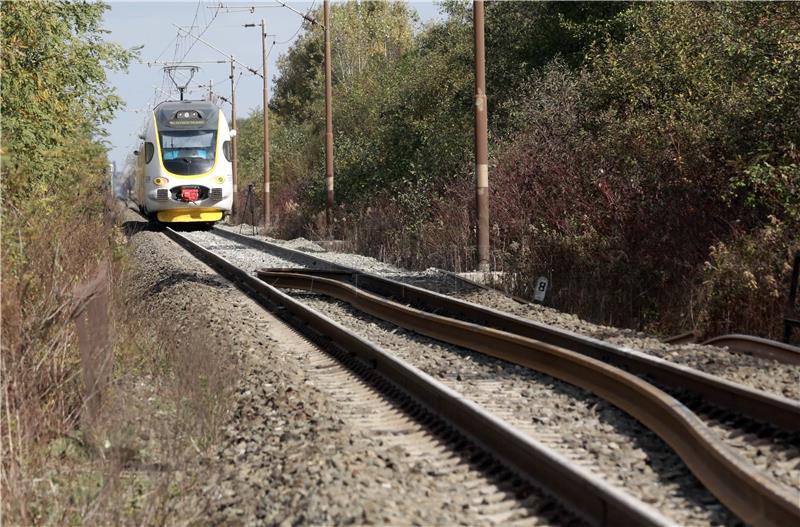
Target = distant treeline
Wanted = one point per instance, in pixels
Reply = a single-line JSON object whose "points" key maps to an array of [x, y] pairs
{"points": [[643, 156]]}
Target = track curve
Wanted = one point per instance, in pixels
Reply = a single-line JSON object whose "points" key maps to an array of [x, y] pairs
{"points": [[766, 348], [592, 498], [781, 412], [750, 494]]}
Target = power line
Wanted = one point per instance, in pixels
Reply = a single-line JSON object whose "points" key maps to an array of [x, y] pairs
{"points": [[203, 31], [306, 17], [215, 48], [188, 62], [166, 47], [252, 9], [196, 12]]}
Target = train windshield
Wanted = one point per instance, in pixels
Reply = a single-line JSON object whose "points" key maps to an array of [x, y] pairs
{"points": [[187, 152]]}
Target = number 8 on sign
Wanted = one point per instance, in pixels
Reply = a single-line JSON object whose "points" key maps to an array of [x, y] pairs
{"points": [[541, 289]]}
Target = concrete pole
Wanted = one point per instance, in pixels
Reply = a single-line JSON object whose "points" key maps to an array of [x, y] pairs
{"points": [[234, 144], [266, 123], [481, 138], [328, 117]]}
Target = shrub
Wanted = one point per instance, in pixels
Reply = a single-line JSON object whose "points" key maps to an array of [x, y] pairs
{"points": [[746, 281]]}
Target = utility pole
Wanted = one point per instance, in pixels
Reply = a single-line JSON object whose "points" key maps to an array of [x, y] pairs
{"points": [[481, 138], [328, 112], [266, 123], [265, 90], [328, 117], [211, 91], [234, 143]]}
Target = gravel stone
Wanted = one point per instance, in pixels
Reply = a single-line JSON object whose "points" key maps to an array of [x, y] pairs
{"points": [[780, 459], [763, 374], [305, 441]]}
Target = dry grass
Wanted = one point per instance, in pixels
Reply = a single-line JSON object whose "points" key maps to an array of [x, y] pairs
{"points": [[161, 410]]}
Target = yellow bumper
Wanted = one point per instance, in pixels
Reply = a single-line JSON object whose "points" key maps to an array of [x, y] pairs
{"points": [[186, 215]]}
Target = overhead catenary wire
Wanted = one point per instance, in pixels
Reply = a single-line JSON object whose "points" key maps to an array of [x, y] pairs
{"points": [[166, 47], [188, 33], [305, 17], [208, 24]]}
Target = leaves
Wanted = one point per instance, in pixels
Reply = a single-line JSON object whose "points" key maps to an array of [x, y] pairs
{"points": [[55, 99]]}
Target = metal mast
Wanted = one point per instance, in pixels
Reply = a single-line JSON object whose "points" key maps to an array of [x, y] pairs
{"points": [[234, 143], [266, 123]]}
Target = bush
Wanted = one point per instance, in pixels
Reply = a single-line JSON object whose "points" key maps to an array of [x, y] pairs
{"points": [[746, 281]]}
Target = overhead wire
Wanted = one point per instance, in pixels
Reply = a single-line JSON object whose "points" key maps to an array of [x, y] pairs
{"points": [[165, 49], [208, 24], [191, 27], [301, 24], [196, 12], [194, 41], [180, 41]]}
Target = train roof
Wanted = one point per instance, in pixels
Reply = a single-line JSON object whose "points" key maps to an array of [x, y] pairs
{"points": [[186, 115]]}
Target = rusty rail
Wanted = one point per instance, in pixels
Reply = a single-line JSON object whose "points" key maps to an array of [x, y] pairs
{"points": [[592, 498], [687, 337], [750, 494], [778, 411], [765, 348]]}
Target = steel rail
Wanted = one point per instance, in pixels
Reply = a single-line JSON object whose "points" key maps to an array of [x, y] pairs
{"points": [[749, 493], [591, 497], [759, 405], [687, 337], [779, 411], [760, 347]]}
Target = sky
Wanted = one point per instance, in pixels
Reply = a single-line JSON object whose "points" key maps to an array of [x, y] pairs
{"points": [[152, 25]]}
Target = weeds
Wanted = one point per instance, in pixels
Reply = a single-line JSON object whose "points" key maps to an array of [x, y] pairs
{"points": [[746, 281], [161, 410]]}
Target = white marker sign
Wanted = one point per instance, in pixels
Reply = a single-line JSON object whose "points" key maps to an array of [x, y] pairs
{"points": [[541, 289]]}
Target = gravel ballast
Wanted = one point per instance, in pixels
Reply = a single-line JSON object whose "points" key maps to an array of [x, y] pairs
{"points": [[304, 443], [757, 372], [578, 425], [780, 461]]}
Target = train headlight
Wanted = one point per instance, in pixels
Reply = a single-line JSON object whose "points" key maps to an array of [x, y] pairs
{"points": [[220, 180], [160, 181]]}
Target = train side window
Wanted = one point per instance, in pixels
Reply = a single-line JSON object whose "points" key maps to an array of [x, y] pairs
{"points": [[149, 149], [226, 149]]}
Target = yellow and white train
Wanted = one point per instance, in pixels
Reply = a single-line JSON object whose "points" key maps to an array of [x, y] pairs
{"points": [[183, 169]]}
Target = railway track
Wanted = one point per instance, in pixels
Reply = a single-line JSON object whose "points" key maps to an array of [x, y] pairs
{"points": [[757, 346], [736, 488], [743, 488], [781, 412], [522, 464]]}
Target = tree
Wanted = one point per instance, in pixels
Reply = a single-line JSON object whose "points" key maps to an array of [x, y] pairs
{"points": [[708, 113], [362, 34], [54, 97]]}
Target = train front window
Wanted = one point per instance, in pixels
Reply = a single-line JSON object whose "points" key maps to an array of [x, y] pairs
{"points": [[187, 152]]}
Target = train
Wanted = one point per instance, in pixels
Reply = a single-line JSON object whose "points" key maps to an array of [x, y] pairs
{"points": [[182, 171]]}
